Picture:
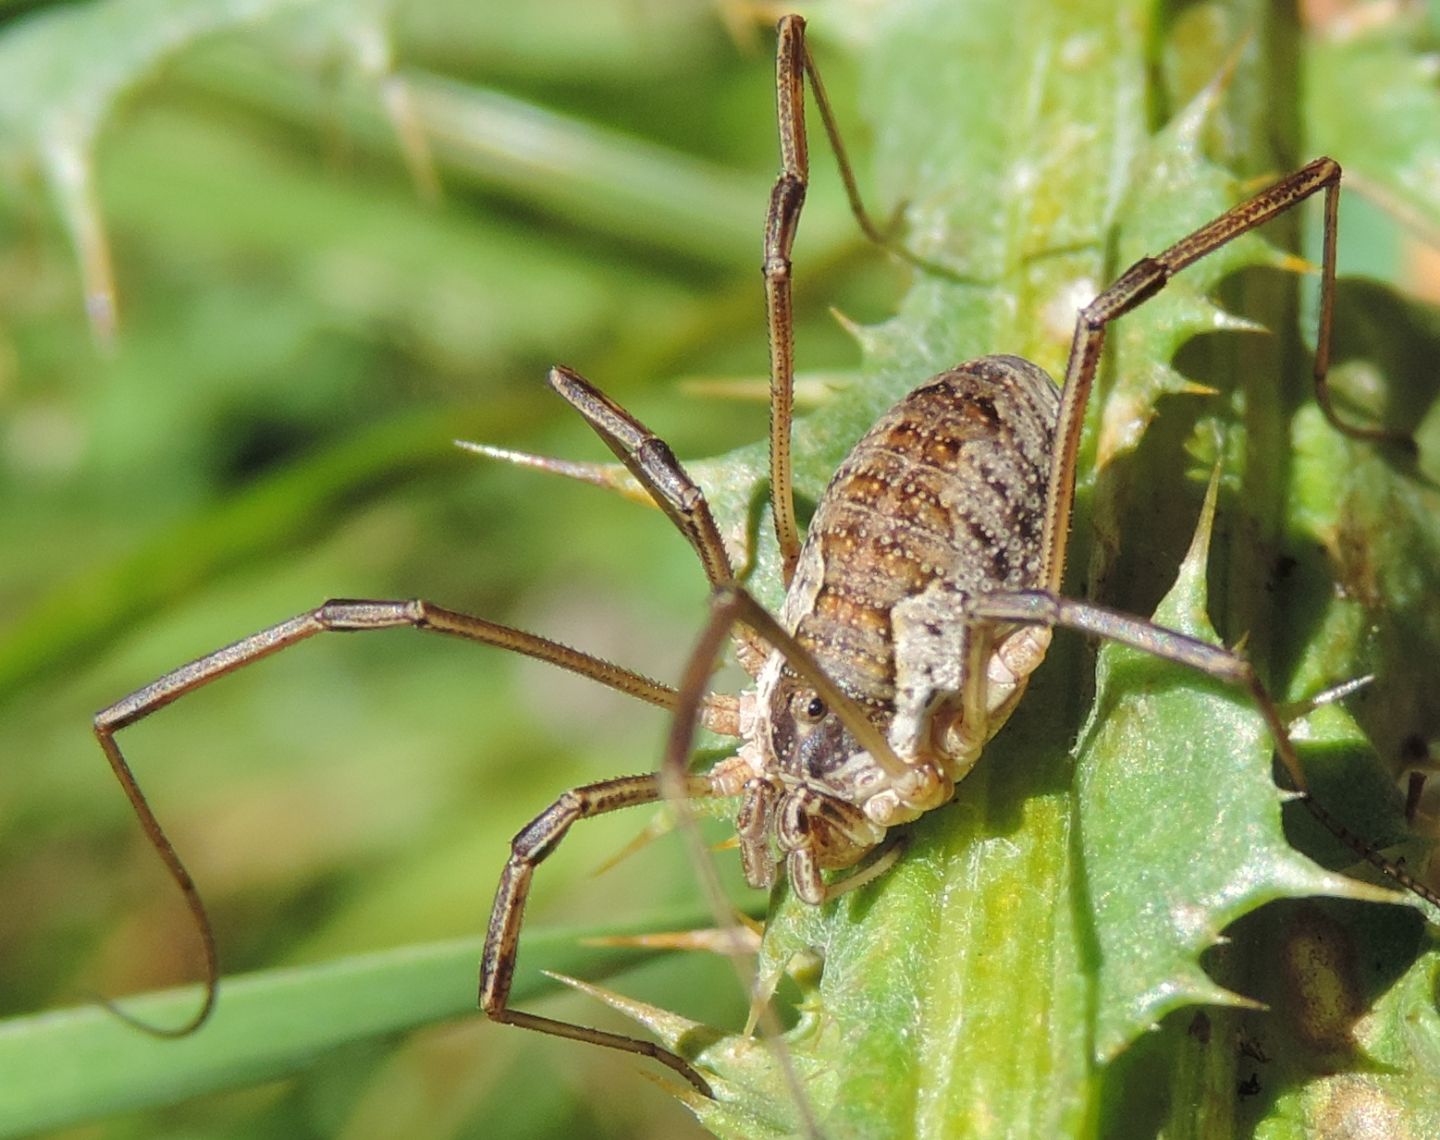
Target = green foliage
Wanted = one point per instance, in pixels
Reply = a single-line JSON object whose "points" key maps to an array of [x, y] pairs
{"points": [[299, 337], [1008, 976]]}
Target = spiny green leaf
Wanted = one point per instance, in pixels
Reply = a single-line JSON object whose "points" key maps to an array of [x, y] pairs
{"points": [[988, 984], [1159, 903]]}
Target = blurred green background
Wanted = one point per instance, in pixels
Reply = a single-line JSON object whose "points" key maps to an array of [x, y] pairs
{"points": [[303, 328]]}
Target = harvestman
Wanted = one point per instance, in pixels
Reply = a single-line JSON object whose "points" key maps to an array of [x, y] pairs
{"points": [[918, 604]]}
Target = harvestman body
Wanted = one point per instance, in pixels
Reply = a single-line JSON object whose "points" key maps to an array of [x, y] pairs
{"points": [[919, 603]]}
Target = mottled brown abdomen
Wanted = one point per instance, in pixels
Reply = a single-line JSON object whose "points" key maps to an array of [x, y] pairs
{"points": [[950, 483]]}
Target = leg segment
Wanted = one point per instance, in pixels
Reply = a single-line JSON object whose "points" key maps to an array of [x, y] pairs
{"points": [[343, 616], [1039, 607], [649, 458], [730, 605], [793, 66], [502, 941], [781, 222], [1146, 278], [347, 616]]}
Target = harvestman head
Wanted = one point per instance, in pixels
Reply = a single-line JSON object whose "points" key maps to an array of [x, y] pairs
{"points": [[919, 602]]}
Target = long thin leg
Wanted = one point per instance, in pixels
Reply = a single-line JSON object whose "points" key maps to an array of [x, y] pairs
{"points": [[731, 605], [502, 941], [649, 458], [1040, 607], [882, 236], [794, 65], [341, 615], [1146, 278], [781, 221]]}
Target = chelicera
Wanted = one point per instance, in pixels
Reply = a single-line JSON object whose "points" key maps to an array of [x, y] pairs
{"points": [[920, 601]]}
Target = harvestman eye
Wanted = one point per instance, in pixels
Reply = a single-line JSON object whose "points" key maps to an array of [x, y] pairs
{"points": [[945, 631], [812, 709]]}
